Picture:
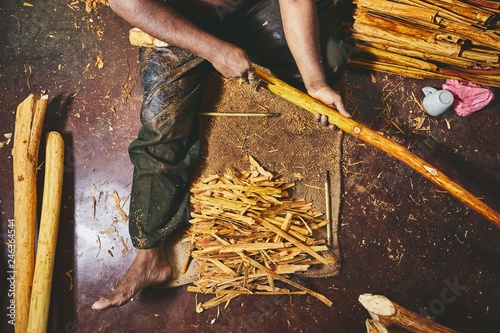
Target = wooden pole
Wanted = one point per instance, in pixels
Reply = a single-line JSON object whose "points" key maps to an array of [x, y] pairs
{"points": [[47, 236], [388, 313], [328, 210], [377, 140], [372, 137], [28, 127]]}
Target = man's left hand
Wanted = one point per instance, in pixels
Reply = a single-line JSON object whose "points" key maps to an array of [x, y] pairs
{"points": [[331, 98]]}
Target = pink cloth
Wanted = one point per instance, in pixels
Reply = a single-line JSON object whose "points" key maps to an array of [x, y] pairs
{"points": [[469, 97]]}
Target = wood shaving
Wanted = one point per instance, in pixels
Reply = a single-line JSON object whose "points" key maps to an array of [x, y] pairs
{"points": [[118, 205], [99, 62]]}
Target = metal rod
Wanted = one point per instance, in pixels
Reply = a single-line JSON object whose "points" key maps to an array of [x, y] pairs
{"points": [[238, 114], [328, 210]]}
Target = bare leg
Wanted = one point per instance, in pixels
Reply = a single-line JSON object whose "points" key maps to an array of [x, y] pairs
{"points": [[150, 267]]}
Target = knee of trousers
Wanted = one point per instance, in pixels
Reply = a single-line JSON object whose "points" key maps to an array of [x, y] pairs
{"points": [[171, 112], [335, 59], [171, 82]]}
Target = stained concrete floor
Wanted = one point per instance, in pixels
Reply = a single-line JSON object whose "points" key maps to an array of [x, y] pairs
{"points": [[400, 235]]}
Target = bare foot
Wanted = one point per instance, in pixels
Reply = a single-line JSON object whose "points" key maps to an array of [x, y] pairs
{"points": [[149, 268]]}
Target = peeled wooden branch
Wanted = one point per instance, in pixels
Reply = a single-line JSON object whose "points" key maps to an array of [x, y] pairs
{"points": [[398, 58], [390, 46], [391, 68], [475, 14], [491, 80], [388, 313], [28, 128], [47, 236], [396, 26], [443, 48], [444, 11], [486, 3], [377, 140], [488, 38], [372, 137], [400, 10]]}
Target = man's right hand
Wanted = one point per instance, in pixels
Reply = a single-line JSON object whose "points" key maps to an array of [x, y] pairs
{"points": [[231, 61]]}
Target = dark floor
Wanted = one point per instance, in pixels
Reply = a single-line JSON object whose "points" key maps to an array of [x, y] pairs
{"points": [[400, 235]]}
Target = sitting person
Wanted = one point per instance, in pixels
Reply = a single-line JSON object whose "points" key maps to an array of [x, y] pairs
{"points": [[282, 35]]}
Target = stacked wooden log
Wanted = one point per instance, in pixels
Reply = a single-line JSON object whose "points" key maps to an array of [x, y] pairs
{"points": [[33, 275], [429, 39], [246, 233], [30, 116]]}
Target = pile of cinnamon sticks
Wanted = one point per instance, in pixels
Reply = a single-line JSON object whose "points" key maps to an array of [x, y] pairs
{"points": [[247, 236], [429, 39]]}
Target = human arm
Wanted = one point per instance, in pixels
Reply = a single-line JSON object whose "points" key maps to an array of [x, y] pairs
{"points": [[160, 20], [301, 27]]}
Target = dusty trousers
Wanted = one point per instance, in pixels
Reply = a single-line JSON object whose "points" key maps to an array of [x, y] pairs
{"points": [[165, 153]]}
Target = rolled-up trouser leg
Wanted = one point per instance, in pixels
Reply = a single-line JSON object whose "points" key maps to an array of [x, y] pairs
{"points": [[165, 153]]}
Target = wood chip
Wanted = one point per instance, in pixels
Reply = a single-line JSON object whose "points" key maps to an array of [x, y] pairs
{"points": [[118, 206]]}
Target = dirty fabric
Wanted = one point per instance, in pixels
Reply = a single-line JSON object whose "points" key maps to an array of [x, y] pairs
{"points": [[166, 151], [469, 97]]}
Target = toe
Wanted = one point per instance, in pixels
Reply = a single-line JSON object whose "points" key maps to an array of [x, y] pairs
{"points": [[103, 303]]}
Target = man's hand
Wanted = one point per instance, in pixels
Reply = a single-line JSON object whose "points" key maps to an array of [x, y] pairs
{"points": [[231, 61], [331, 98]]}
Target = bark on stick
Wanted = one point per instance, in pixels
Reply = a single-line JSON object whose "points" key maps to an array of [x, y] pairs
{"points": [[47, 236], [28, 128], [387, 313]]}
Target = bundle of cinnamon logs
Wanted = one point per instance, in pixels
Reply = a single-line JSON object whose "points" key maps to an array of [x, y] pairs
{"points": [[33, 270], [454, 39]]}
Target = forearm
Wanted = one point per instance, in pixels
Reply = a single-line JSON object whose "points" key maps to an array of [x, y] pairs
{"points": [[160, 20], [301, 28]]}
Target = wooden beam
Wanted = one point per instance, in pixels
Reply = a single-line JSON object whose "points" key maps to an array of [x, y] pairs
{"points": [[47, 236], [28, 128], [377, 140]]}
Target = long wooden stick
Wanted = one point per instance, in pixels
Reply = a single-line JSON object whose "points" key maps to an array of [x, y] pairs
{"points": [[375, 139], [372, 137], [28, 127], [47, 236], [388, 313]]}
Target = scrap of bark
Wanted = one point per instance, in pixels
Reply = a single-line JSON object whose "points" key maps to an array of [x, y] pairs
{"points": [[118, 205]]}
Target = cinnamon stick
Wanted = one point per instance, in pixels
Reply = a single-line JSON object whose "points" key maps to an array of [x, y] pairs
{"points": [[28, 127], [47, 237]]}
